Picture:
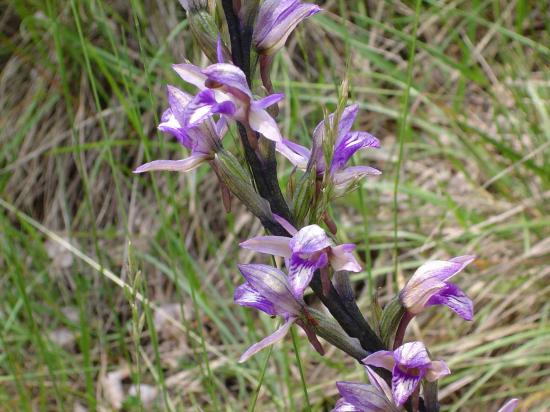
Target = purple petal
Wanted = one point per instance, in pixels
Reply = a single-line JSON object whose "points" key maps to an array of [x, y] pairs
{"points": [[309, 239], [298, 155], [349, 145], [270, 340], [169, 124], [453, 297], [342, 258], [362, 397], [231, 77], [245, 295], [273, 285], [415, 295], [403, 385], [221, 127], [437, 370], [379, 383], [301, 271], [412, 355], [343, 406], [178, 101], [199, 108], [346, 121], [191, 74], [509, 406], [183, 165], [261, 122], [219, 50], [381, 359], [267, 101], [350, 175], [285, 224], [439, 269], [272, 245]]}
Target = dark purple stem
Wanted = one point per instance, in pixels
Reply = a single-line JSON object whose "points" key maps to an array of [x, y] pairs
{"points": [[401, 329]]}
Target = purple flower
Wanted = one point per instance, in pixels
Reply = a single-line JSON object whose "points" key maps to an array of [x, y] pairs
{"points": [[276, 20], [307, 250], [409, 364], [360, 397], [429, 286], [268, 289], [346, 144], [224, 90], [202, 139], [509, 406]]}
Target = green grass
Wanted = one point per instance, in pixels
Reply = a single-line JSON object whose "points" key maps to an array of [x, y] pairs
{"points": [[91, 252]]}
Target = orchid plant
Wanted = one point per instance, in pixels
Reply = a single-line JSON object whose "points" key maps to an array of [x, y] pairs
{"points": [[299, 228]]}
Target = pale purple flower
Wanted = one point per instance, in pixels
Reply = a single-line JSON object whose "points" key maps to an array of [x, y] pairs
{"points": [[429, 286], [409, 364], [268, 289], [276, 21], [360, 397], [223, 90], [203, 139], [307, 250], [347, 143], [509, 406]]}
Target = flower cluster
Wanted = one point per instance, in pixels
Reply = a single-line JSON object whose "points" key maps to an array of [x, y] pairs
{"points": [[227, 99]]}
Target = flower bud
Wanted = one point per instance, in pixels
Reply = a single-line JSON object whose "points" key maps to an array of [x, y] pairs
{"points": [[276, 21]]}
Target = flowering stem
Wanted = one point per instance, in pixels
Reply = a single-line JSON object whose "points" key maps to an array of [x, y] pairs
{"points": [[264, 172]]}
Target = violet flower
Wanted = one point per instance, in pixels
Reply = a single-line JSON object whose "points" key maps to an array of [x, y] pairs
{"points": [[509, 406], [429, 286], [360, 397], [347, 143], [225, 91], [268, 289], [307, 250], [202, 139], [409, 364], [275, 22]]}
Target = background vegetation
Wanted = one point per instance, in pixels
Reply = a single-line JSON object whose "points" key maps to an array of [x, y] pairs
{"points": [[116, 289]]}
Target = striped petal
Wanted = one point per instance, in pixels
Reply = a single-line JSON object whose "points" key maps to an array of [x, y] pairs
{"points": [[268, 341], [272, 245], [183, 165]]}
